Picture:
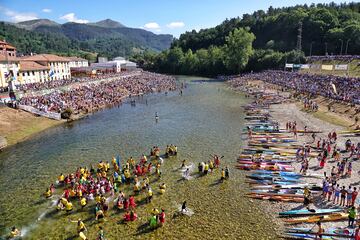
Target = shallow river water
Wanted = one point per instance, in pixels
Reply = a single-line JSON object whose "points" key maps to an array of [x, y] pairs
{"points": [[206, 119]]}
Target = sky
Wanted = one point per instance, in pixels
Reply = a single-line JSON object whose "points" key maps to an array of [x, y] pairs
{"points": [[159, 16]]}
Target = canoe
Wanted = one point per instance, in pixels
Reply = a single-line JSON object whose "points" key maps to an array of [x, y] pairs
{"points": [[289, 186], [277, 198], [304, 212], [313, 219]]}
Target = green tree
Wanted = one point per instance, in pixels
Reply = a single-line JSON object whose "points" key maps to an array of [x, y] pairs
{"points": [[238, 49]]}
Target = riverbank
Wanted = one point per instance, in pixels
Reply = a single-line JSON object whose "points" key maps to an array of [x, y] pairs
{"points": [[18, 125], [194, 121], [331, 111], [324, 121]]}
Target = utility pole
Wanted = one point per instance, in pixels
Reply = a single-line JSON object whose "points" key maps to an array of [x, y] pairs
{"points": [[346, 48], [311, 49], [326, 52], [299, 37], [342, 43]]}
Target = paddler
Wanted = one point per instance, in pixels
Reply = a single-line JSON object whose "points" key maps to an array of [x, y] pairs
{"points": [[15, 232], [227, 174], [183, 163], [211, 165], [101, 235], [320, 231], [307, 195], [162, 188], [206, 168], [149, 194], [222, 175], [83, 202], [61, 179], [183, 207], [162, 217], [48, 193], [68, 206]]}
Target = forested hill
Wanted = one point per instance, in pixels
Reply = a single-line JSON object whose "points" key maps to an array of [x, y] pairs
{"points": [[107, 37], [267, 41], [278, 29]]}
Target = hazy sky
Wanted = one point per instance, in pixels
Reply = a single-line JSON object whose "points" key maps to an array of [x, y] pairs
{"points": [[158, 16]]}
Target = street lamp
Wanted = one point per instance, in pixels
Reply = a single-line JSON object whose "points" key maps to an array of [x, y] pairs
{"points": [[346, 48], [342, 42]]}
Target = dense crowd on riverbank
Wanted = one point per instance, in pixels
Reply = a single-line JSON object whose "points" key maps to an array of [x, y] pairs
{"points": [[64, 82], [92, 96], [334, 87]]}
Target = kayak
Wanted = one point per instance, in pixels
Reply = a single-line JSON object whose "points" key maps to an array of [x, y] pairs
{"points": [[313, 219], [277, 198], [289, 186], [301, 212]]}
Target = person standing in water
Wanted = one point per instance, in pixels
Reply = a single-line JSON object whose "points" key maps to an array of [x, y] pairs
{"points": [[156, 117], [183, 207]]}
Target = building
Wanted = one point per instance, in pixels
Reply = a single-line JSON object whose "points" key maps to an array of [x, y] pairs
{"points": [[76, 62], [59, 66], [114, 66], [7, 49], [9, 68], [33, 72]]}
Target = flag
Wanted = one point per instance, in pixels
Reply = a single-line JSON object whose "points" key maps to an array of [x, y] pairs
{"points": [[334, 88], [51, 73], [118, 161]]}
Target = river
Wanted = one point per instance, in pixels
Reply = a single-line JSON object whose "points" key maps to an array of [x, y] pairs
{"points": [[206, 119]]}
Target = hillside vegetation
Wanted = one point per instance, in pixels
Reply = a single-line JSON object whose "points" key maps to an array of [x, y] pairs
{"points": [[107, 38], [276, 34]]}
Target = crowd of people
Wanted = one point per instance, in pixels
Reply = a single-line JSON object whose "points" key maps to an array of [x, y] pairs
{"points": [[335, 87], [333, 191], [333, 57], [64, 82], [104, 182], [92, 96]]}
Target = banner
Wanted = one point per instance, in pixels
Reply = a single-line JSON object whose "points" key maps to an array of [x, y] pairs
{"points": [[305, 66], [341, 67], [52, 115], [315, 66], [289, 65], [327, 67]]}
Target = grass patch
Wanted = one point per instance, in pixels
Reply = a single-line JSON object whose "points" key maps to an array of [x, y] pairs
{"points": [[331, 118]]}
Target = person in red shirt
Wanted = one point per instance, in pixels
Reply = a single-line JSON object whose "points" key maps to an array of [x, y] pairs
{"points": [[162, 217], [354, 196]]}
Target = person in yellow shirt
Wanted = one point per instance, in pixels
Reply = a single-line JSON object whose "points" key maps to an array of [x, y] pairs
{"points": [[83, 202], [15, 232], [61, 178]]}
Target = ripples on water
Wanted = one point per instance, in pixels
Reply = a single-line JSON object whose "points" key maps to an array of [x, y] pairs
{"points": [[207, 119]]}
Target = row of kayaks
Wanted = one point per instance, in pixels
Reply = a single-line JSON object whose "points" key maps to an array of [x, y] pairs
{"points": [[269, 156]]}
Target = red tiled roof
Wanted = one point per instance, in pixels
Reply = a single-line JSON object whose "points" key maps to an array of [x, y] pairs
{"points": [[45, 58], [31, 66], [7, 45], [4, 58], [76, 59]]}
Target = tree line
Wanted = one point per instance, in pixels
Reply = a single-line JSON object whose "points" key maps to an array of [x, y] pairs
{"points": [[278, 35]]}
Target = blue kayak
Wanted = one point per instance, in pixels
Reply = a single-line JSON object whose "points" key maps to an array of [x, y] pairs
{"points": [[307, 212]]}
